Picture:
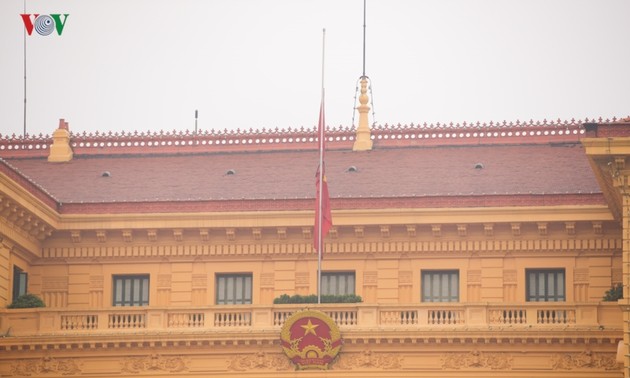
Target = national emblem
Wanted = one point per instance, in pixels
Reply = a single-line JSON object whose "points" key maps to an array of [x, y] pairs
{"points": [[310, 339]]}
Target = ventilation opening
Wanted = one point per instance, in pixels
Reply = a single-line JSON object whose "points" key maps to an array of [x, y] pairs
{"points": [[230, 172], [106, 174], [479, 166], [352, 169]]}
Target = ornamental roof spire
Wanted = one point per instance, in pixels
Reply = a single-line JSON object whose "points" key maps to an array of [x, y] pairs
{"points": [[363, 140]]}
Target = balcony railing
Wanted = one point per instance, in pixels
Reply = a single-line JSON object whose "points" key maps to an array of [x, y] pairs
{"points": [[544, 315]]}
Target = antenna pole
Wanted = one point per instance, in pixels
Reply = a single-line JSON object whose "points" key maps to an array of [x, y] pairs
{"points": [[196, 114], [364, 13]]}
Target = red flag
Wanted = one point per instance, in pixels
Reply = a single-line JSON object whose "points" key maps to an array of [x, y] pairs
{"points": [[322, 198]]}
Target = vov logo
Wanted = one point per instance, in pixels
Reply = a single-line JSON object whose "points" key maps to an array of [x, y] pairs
{"points": [[44, 24]]}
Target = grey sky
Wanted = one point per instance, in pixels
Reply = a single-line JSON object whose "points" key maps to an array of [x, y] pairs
{"points": [[148, 64]]}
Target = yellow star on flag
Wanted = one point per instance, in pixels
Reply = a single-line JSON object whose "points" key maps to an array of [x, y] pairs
{"points": [[309, 328]]}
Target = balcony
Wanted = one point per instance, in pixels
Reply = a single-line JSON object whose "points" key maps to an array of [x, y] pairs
{"points": [[425, 316]]}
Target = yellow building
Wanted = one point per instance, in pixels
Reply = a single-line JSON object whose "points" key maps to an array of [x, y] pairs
{"points": [[478, 250]]}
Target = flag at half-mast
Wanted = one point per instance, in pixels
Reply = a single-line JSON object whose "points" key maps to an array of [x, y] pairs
{"points": [[323, 214]]}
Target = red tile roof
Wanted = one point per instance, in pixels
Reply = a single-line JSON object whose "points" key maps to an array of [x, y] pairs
{"points": [[466, 171], [522, 164]]}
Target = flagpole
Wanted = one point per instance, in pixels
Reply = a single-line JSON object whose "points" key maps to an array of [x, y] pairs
{"points": [[24, 133], [321, 179]]}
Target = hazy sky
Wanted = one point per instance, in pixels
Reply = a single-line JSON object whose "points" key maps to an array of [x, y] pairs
{"points": [[148, 64]]}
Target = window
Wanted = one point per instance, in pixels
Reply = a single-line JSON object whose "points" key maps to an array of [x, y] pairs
{"points": [[337, 283], [234, 288], [20, 282], [545, 285], [440, 286], [131, 290]]}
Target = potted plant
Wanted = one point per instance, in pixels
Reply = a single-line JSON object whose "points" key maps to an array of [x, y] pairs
{"points": [[27, 301]]}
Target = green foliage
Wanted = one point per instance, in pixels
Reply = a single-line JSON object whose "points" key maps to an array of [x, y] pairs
{"points": [[614, 294], [348, 298], [27, 301]]}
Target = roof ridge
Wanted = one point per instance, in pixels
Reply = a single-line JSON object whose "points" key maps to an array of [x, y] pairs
{"points": [[338, 138]]}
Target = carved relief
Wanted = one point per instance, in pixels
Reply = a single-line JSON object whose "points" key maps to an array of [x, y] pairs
{"points": [[584, 360], [570, 228], [152, 235], [542, 228], [597, 228], [101, 236], [306, 233], [516, 229], [257, 233], [580, 275], [199, 281], [96, 282], [477, 360], [462, 230], [385, 231], [230, 234], [474, 277], [267, 280], [369, 360], [55, 291], [260, 360], [96, 291], [46, 365], [405, 277], [204, 234], [127, 235], [55, 283], [75, 236], [302, 278], [436, 230], [509, 276], [282, 233], [334, 232], [359, 231], [411, 230], [154, 362], [488, 229], [370, 278], [178, 234], [164, 281]]}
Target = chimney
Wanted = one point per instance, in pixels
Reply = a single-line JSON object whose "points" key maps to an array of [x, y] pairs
{"points": [[60, 150]]}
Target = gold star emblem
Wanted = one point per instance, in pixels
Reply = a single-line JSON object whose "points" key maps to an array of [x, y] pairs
{"points": [[309, 328]]}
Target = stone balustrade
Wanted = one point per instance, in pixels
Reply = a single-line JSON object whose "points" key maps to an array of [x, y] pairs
{"points": [[541, 315]]}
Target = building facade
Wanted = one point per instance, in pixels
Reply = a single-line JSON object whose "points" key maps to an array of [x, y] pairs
{"points": [[477, 250]]}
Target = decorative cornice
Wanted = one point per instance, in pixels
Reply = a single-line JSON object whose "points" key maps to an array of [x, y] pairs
{"points": [[19, 216], [596, 246], [342, 217], [183, 340]]}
